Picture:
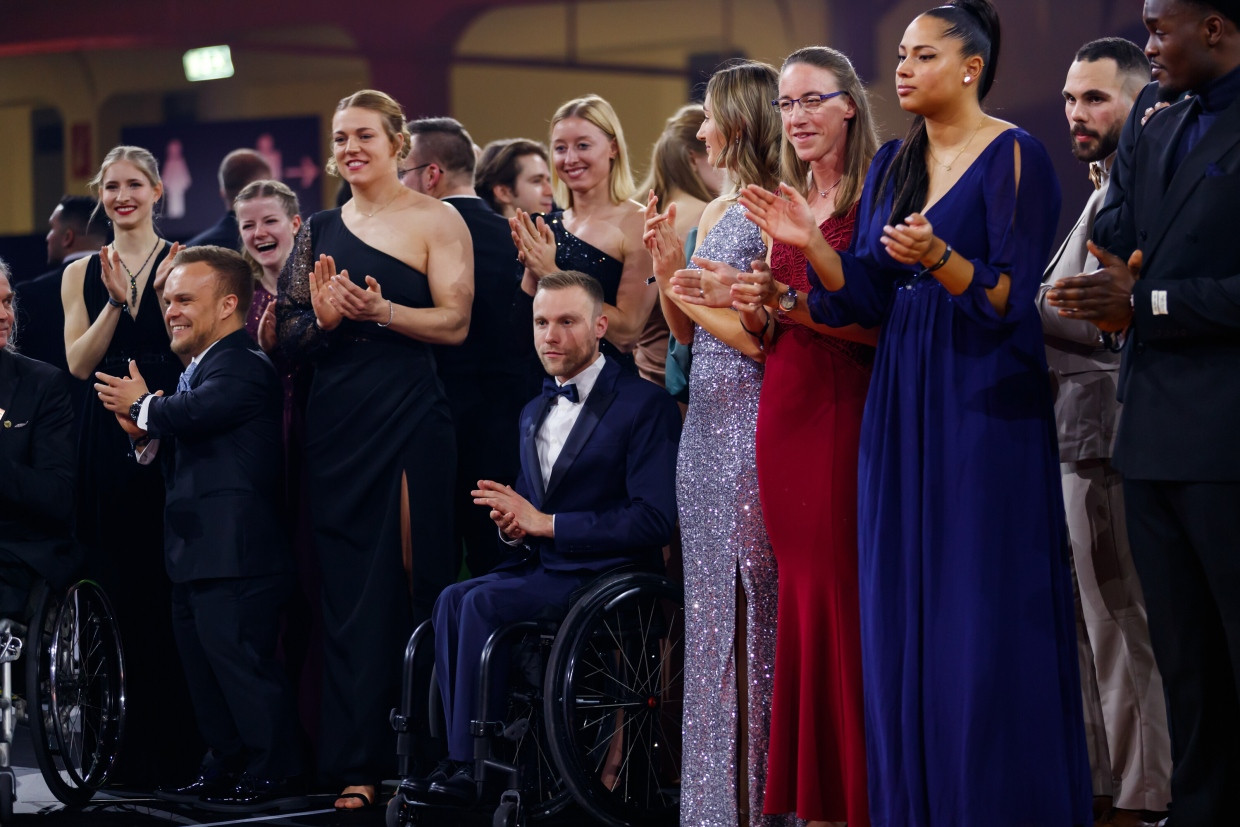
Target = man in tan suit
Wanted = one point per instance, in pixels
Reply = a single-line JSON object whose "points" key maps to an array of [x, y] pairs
{"points": [[1125, 715]]}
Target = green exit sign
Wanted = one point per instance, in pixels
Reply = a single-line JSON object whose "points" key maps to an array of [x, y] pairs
{"points": [[208, 63]]}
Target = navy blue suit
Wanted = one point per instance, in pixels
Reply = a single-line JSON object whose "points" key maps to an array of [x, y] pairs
{"points": [[221, 451], [612, 493]]}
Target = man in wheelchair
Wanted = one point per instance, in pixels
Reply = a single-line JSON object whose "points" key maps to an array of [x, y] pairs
{"points": [[36, 470], [596, 492]]}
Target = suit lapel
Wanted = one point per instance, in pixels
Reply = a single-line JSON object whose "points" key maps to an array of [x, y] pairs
{"points": [[592, 411], [8, 382], [529, 449], [1220, 138]]}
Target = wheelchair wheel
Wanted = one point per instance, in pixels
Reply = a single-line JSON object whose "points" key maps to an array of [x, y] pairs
{"points": [[524, 744], [613, 700], [8, 794], [76, 691]]}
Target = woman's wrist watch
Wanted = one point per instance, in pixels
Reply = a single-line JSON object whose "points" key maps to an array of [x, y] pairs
{"points": [[788, 299]]}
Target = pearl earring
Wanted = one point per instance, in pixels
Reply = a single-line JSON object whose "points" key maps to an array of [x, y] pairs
{"points": [[967, 78]]}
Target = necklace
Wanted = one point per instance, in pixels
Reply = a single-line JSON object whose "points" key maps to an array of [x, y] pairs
{"points": [[948, 167], [384, 207], [133, 277], [824, 193]]}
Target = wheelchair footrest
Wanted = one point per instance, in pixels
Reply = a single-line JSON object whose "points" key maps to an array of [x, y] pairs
{"points": [[486, 729]]}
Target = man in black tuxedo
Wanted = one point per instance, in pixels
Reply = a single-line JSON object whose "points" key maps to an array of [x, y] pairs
{"points": [[483, 376], [219, 440], [1168, 218], [596, 492], [239, 168], [75, 230], [37, 461]]}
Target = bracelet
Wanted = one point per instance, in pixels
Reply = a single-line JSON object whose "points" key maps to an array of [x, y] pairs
{"points": [[761, 334], [114, 303], [947, 253], [391, 315]]}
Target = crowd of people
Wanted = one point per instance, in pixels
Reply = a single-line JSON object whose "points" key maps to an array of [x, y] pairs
{"points": [[934, 572]]}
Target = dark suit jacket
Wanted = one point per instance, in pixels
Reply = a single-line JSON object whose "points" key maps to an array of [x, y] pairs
{"points": [[37, 462], [223, 233], [1180, 378], [613, 488], [487, 350], [223, 472], [41, 318]]}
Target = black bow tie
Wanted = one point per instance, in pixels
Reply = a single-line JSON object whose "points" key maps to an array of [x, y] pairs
{"points": [[551, 389]]}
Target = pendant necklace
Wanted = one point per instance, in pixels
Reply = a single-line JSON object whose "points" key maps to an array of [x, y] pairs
{"points": [[381, 209], [948, 167], [133, 277], [824, 193]]}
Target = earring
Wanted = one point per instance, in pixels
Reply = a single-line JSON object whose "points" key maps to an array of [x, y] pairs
{"points": [[967, 78]]}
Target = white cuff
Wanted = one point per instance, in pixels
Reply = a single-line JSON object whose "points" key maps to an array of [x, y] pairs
{"points": [[145, 411]]}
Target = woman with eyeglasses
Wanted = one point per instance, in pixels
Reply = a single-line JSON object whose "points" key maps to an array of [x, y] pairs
{"points": [[972, 699], [731, 582]]}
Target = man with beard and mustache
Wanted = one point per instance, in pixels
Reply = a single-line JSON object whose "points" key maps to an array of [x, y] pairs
{"points": [[1125, 719], [1169, 220]]}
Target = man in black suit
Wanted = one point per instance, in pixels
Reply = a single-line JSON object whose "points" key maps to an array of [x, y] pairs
{"points": [[219, 440], [1168, 218], [37, 460], [596, 492], [239, 168], [482, 376], [76, 228]]}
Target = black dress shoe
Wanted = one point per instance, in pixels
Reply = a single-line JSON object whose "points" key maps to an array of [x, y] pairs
{"points": [[252, 795], [416, 789], [459, 790], [207, 783]]}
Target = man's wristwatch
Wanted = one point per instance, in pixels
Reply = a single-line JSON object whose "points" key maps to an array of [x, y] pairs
{"points": [[788, 299], [136, 408]]}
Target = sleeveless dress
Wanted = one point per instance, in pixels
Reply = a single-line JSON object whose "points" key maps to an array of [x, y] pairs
{"points": [[724, 540], [120, 519], [571, 253], [809, 425], [972, 695], [376, 414]]}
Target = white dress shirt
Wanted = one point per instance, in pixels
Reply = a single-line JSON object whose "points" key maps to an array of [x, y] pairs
{"points": [[559, 421]]}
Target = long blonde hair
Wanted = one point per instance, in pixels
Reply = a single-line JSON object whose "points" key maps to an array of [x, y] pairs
{"points": [[136, 155], [740, 101], [599, 112], [671, 160]]}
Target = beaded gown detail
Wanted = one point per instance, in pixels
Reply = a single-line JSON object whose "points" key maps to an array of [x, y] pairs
{"points": [[572, 253], [809, 427], [972, 693], [376, 419], [724, 539]]}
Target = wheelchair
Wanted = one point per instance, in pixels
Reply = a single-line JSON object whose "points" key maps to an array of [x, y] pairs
{"points": [[75, 692], [591, 712]]}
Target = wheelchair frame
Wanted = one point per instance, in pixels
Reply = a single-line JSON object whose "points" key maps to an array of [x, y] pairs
{"points": [[602, 728], [75, 693]]}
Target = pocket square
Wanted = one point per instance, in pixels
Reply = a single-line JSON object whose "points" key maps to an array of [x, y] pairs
{"points": [[8, 423]]}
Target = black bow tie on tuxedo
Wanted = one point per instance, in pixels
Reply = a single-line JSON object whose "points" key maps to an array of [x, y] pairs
{"points": [[551, 389]]}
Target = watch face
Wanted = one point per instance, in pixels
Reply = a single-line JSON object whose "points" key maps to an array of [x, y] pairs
{"points": [[788, 301]]}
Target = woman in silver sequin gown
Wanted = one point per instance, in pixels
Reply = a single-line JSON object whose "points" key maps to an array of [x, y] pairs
{"points": [[727, 559]]}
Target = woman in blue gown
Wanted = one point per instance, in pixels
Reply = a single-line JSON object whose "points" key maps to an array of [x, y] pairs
{"points": [[973, 709]]}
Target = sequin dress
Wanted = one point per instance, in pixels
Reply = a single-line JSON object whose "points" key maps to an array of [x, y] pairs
{"points": [[723, 536], [572, 253]]}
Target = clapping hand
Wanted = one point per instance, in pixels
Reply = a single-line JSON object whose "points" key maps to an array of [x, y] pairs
{"points": [[164, 268], [666, 247], [708, 286], [118, 393], [784, 216], [515, 515], [754, 290], [535, 243], [326, 314], [910, 242], [1104, 296], [110, 273], [267, 338], [355, 303]]}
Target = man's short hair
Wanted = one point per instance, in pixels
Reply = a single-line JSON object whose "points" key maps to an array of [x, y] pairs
{"points": [[79, 213], [234, 275], [500, 165], [240, 167], [1128, 57], [445, 142], [1228, 8], [564, 279]]}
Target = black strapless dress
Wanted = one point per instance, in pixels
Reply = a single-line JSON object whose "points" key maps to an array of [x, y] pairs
{"points": [[376, 414]]}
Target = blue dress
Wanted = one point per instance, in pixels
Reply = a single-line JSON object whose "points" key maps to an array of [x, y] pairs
{"points": [[973, 702]]}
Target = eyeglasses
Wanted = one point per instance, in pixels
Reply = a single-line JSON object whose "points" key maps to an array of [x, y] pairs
{"points": [[809, 103], [403, 172]]}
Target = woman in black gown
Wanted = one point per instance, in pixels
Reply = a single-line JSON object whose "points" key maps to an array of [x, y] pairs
{"points": [[380, 448], [112, 315]]}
